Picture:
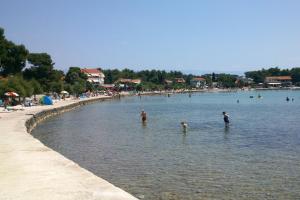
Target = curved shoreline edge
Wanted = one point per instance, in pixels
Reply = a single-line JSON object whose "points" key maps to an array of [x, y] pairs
{"points": [[31, 170]]}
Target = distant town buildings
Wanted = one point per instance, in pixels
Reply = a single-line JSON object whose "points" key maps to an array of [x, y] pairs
{"points": [[179, 80], [277, 81], [245, 80], [168, 82], [198, 82], [128, 81], [95, 76]]}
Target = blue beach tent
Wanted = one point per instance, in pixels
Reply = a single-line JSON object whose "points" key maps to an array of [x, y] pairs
{"points": [[46, 100]]}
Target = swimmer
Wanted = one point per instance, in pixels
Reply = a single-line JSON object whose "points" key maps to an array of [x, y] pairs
{"points": [[226, 118], [184, 126], [143, 116], [238, 101], [287, 98]]}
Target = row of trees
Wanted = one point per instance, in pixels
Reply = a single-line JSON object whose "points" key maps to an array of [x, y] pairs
{"points": [[259, 75], [33, 73], [155, 79], [151, 79]]}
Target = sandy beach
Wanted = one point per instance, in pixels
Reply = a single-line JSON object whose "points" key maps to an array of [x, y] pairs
{"points": [[30, 170]]}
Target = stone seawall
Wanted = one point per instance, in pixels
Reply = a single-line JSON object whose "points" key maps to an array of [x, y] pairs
{"points": [[31, 171]]}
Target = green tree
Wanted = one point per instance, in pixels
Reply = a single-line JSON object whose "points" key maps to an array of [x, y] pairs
{"points": [[69, 88], [16, 84], [213, 77], [74, 75], [37, 88], [12, 56], [56, 86], [43, 71], [79, 88], [295, 73], [227, 80]]}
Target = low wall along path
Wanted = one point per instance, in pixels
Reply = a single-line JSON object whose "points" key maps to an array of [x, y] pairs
{"points": [[29, 170]]}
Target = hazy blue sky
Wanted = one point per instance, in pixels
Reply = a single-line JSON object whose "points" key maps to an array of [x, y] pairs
{"points": [[204, 36]]}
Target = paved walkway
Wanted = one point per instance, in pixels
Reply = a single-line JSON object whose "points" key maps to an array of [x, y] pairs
{"points": [[30, 170]]}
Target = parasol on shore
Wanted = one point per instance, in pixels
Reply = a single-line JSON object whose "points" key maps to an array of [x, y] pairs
{"points": [[64, 92], [11, 94]]}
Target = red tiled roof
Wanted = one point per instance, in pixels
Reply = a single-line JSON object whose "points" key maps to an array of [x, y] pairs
{"points": [[137, 81], [90, 71], [279, 78], [127, 80], [124, 80], [198, 79], [179, 80]]}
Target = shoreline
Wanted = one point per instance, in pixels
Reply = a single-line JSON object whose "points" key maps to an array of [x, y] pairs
{"points": [[31, 170]]}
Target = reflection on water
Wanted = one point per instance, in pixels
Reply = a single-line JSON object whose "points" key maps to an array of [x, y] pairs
{"points": [[256, 157]]}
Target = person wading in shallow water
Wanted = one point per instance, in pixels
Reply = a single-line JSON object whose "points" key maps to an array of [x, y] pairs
{"points": [[226, 118], [144, 116], [184, 126]]}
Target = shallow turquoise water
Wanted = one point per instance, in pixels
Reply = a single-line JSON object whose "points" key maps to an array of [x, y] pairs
{"points": [[257, 157]]}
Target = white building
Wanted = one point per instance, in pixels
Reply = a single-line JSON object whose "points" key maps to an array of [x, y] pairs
{"points": [[198, 82], [277, 81], [95, 76]]}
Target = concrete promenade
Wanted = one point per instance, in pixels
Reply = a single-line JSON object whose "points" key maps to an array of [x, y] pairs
{"points": [[29, 170]]}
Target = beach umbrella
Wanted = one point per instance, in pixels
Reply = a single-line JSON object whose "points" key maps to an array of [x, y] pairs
{"points": [[11, 94], [64, 92]]}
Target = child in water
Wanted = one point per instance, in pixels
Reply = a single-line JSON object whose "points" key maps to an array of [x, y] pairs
{"points": [[184, 126]]}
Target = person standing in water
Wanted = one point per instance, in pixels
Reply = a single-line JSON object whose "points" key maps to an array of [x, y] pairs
{"points": [[184, 126], [226, 118], [143, 116]]}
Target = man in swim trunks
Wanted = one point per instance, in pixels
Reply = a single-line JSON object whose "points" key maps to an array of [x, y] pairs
{"points": [[144, 116], [226, 118]]}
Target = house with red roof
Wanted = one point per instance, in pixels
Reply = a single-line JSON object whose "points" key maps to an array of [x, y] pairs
{"points": [[198, 82], [168, 82], [128, 80], [277, 81], [94, 75], [179, 80]]}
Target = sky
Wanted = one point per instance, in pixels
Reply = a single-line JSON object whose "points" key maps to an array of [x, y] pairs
{"points": [[194, 36]]}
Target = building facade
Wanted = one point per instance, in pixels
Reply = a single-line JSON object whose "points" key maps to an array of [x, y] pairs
{"points": [[278, 81], [198, 82], [95, 76]]}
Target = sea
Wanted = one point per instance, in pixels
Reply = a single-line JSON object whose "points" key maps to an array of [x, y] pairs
{"points": [[256, 157]]}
